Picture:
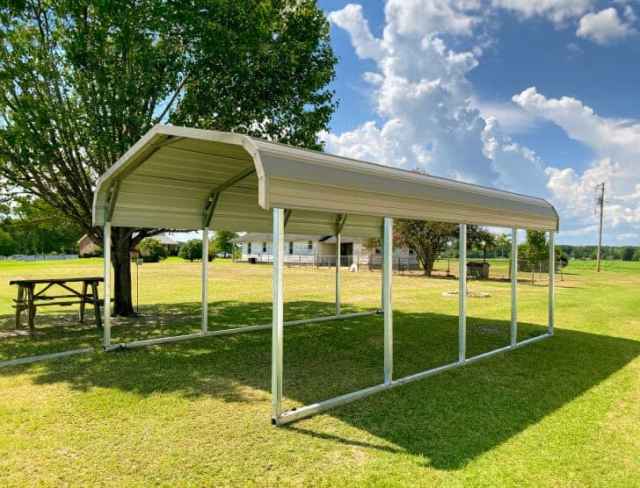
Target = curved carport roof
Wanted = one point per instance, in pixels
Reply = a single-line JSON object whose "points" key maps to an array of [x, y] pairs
{"points": [[183, 178]]}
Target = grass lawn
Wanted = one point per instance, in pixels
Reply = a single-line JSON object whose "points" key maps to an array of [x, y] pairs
{"points": [[565, 411]]}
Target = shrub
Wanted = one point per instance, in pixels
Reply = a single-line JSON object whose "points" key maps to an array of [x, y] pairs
{"points": [[152, 251], [192, 250]]}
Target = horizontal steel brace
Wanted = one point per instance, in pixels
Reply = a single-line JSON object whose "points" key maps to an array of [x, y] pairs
{"points": [[45, 357], [309, 410], [235, 330]]}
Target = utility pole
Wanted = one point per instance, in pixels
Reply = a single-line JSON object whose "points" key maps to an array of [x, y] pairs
{"points": [[600, 188]]}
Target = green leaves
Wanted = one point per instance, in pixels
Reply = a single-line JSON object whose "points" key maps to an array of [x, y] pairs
{"points": [[427, 239], [82, 81], [259, 68]]}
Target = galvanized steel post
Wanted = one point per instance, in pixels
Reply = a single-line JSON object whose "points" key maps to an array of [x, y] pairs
{"points": [[277, 325], [514, 287], [552, 284], [462, 295], [205, 280], [338, 259], [387, 274], [106, 323]]}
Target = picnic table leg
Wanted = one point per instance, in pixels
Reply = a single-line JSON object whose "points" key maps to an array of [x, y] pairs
{"points": [[83, 300], [96, 304], [32, 310], [19, 307]]}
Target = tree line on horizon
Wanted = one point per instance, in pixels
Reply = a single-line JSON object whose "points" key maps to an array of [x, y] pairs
{"points": [[32, 226]]}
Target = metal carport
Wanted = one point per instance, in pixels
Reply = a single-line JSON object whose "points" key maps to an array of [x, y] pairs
{"points": [[183, 178]]}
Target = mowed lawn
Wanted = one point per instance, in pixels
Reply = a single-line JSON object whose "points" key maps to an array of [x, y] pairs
{"points": [[561, 412]]}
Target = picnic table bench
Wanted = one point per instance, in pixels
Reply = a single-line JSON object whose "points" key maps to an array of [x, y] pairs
{"points": [[30, 299]]}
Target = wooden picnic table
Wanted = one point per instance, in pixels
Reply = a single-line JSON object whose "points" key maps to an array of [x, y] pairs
{"points": [[30, 299]]}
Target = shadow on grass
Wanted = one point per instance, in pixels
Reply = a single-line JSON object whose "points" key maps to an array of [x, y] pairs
{"points": [[57, 332], [449, 419]]}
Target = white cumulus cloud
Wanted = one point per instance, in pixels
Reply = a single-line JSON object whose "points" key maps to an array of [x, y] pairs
{"points": [[616, 144], [606, 26], [558, 11], [430, 117]]}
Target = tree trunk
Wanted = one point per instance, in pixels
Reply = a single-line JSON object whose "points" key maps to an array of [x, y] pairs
{"points": [[428, 266], [426, 262], [120, 259]]}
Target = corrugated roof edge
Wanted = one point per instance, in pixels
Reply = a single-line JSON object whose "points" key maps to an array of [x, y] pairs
{"points": [[164, 133]]}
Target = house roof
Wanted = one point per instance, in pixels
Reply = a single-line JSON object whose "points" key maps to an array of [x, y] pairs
{"points": [[264, 237], [175, 176], [83, 238]]}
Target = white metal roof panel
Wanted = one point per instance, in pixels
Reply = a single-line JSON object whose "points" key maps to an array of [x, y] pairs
{"points": [[167, 179]]}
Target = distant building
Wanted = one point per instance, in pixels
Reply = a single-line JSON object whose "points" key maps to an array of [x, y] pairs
{"points": [[320, 251], [86, 246]]}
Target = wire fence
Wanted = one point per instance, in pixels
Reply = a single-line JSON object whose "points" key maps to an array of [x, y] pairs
{"points": [[39, 257], [370, 262], [497, 269]]}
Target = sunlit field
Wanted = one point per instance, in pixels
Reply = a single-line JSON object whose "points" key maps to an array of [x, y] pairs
{"points": [[564, 411]]}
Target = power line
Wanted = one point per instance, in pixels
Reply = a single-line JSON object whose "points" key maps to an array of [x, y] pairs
{"points": [[600, 200]]}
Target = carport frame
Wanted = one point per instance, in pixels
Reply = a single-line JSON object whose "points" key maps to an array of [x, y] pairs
{"points": [[281, 417], [208, 213], [476, 205]]}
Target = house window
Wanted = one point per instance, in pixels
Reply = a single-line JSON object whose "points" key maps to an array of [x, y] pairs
{"points": [[411, 252], [248, 248], [310, 245], [264, 247], [377, 250], [290, 247]]}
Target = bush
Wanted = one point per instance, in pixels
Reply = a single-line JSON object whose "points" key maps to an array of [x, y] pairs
{"points": [[152, 251], [7, 244], [192, 250]]}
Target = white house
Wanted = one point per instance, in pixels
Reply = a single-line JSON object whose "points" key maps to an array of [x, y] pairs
{"points": [[320, 251]]}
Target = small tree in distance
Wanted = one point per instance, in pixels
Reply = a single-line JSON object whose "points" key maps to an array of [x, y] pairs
{"points": [[152, 251], [628, 253], [223, 242], [192, 250], [535, 250]]}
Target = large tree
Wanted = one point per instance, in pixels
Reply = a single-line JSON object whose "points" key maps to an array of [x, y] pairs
{"points": [[223, 242], [426, 239], [83, 80], [429, 239]]}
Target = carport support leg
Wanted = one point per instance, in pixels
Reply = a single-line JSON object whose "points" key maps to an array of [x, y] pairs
{"points": [[106, 244], [514, 287], [338, 259], [462, 295], [205, 280], [387, 272], [277, 326], [552, 282]]}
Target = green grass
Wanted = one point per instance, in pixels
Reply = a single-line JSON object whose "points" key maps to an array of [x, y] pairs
{"points": [[562, 412]]}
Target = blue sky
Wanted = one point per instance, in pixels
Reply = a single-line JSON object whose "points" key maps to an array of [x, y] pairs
{"points": [[537, 97]]}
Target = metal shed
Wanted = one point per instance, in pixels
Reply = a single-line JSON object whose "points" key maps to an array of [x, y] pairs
{"points": [[183, 178]]}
